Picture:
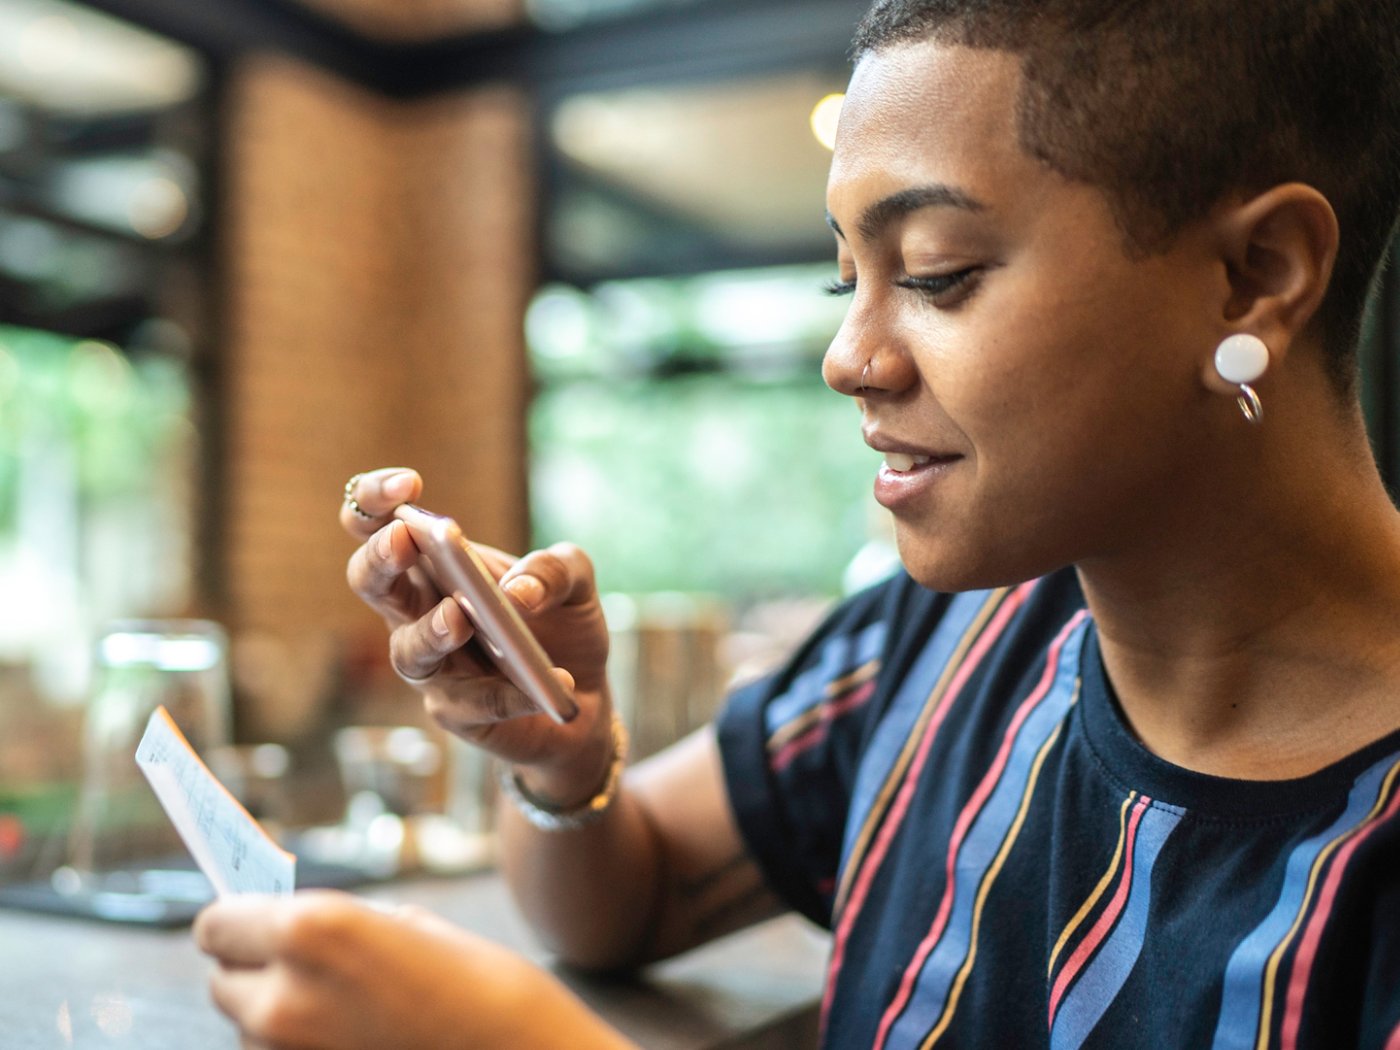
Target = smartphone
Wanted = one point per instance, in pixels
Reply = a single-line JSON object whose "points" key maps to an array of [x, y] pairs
{"points": [[458, 571]]}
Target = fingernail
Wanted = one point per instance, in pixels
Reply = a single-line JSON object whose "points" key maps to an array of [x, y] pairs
{"points": [[439, 622], [397, 486], [384, 541], [527, 590]]}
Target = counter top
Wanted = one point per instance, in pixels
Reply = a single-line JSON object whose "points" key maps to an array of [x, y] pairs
{"points": [[79, 983]]}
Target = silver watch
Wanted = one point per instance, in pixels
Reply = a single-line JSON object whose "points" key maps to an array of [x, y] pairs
{"points": [[550, 818]]}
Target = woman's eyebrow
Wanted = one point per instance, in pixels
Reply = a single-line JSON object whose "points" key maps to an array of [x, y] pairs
{"points": [[897, 205]]}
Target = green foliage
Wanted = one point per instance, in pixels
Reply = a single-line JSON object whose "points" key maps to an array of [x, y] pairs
{"points": [[85, 405], [682, 459]]}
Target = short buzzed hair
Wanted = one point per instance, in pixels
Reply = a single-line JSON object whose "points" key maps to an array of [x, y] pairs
{"points": [[1168, 106]]}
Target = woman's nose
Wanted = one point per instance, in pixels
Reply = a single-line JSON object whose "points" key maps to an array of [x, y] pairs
{"points": [[862, 362], [845, 366]]}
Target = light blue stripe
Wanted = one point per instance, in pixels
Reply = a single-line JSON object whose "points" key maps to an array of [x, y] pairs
{"points": [[984, 839], [1101, 981], [839, 657], [1238, 1026], [899, 721]]}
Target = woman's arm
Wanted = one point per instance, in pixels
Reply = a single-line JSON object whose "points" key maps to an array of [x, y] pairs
{"points": [[663, 871]]}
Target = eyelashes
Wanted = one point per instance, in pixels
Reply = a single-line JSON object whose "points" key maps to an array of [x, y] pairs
{"points": [[931, 287], [939, 285]]}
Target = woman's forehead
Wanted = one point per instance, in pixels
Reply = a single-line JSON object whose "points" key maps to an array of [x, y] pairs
{"points": [[924, 110]]}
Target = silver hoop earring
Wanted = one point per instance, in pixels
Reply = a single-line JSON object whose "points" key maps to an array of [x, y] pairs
{"points": [[1250, 405], [1241, 359]]}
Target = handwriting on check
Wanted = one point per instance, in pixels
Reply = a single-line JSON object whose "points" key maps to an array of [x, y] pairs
{"points": [[230, 847]]}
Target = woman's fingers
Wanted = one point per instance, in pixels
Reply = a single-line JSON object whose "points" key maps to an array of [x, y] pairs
{"points": [[270, 952], [464, 693], [238, 994], [370, 498], [418, 649], [380, 572], [276, 1007], [561, 574], [240, 930], [473, 710]]}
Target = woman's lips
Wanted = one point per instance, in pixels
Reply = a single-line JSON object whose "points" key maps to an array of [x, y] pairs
{"points": [[905, 476]]}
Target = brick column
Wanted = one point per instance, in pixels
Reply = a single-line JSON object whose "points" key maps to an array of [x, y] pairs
{"points": [[378, 259]]}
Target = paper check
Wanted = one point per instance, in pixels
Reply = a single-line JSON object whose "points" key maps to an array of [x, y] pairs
{"points": [[230, 847]]}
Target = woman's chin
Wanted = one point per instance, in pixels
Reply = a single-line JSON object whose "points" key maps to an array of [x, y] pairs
{"points": [[944, 567]]}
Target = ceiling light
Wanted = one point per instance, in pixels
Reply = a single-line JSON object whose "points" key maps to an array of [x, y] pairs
{"points": [[825, 116]]}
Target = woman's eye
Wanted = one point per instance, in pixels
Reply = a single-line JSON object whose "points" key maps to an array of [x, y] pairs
{"points": [[934, 287], [939, 284]]}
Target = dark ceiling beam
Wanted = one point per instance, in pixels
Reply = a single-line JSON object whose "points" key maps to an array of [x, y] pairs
{"points": [[111, 318], [226, 29], [719, 38], [73, 135]]}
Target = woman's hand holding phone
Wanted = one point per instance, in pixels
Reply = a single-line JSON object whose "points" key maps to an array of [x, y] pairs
{"points": [[554, 592]]}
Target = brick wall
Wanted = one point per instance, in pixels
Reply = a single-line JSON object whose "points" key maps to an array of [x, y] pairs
{"points": [[377, 260]]}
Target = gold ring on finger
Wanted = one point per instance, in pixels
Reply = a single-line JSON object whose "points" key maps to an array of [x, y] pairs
{"points": [[352, 503]]}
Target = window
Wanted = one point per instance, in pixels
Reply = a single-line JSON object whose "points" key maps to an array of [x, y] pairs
{"points": [[683, 436], [681, 432], [101, 311]]}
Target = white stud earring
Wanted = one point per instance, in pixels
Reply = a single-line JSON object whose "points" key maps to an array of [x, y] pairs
{"points": [[1241, 359]]}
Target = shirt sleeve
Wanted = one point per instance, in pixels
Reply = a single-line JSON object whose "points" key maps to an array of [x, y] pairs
{"points": [[792, 742]]}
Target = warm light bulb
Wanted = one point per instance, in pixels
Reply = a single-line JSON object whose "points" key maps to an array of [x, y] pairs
{"points": [[825, 116], [157, 208]]}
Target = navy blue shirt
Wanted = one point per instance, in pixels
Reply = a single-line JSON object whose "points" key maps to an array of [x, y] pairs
{"points": [[947, 783]]}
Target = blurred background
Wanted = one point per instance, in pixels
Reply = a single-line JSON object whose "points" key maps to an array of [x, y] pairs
{"points": [[563, 256]]}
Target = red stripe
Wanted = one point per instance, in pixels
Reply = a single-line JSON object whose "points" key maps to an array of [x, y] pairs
{"points": [[814, 734], [1106, 918], [890, 828], [1393, 1043], [1307, 948], [969, 813]]}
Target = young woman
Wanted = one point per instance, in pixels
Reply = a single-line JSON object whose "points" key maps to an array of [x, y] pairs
{"points": [[1117, 762]]}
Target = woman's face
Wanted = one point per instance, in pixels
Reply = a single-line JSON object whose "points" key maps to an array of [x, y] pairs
{"points": [[1046, 385]]}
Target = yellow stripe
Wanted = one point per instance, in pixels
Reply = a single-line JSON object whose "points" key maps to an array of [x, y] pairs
{"points": [[861, 674], [986, 888], [1266, 1013], [807, 719], [906, 755], [1103, 885]]}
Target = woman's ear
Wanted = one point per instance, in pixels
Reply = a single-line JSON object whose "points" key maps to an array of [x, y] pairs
{"points": [[1279, 249]]}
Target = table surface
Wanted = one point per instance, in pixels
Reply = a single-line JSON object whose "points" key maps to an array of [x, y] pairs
{"points": [[79, 983]]}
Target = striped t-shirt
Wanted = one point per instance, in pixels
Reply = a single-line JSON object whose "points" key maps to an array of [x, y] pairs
{"points": [[947, 784]]}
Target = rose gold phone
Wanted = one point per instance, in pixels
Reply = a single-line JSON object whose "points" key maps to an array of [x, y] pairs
{"points": [[459, 571]]}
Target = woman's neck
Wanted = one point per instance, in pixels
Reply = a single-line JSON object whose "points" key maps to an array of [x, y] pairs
{"points": [[1261, 640]]}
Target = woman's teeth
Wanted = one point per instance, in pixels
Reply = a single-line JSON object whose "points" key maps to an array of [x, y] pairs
{"points": [[901, 462]]}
